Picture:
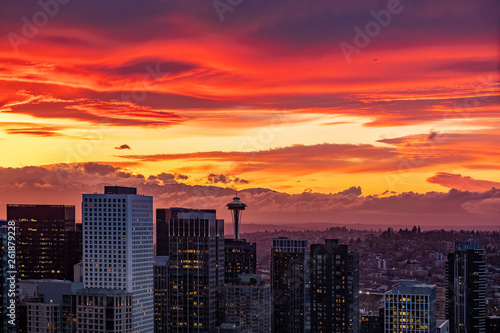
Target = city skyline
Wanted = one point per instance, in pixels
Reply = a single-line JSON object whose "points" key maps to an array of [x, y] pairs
{"points": [[386, 112], [309, 286]]}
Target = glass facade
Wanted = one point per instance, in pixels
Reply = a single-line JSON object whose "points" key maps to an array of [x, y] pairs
{"points": [[196, 269], [334, 291], [288, 285]]}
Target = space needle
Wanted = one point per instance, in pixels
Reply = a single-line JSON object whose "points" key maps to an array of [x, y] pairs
{"points": [[237, 207]]}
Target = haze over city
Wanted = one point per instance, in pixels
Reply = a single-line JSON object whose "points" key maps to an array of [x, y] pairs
{"points": [[364, 113]]}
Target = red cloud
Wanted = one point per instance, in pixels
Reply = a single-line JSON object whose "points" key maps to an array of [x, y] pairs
{"points": [[296, 158], [460, 182]]}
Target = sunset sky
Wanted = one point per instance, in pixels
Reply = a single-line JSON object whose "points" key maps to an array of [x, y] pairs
{"points": [[318, 111]]}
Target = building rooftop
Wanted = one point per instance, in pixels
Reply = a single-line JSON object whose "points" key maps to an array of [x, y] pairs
{"points": [[189, 213], [162, 261], [119, 190], [464, 246], [411, 287]]}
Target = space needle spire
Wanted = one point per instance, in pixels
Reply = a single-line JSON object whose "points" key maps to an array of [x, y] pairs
{"points": [[237, 207]]}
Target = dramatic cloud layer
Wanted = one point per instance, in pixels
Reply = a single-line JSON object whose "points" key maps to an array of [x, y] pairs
{"points": [[306, 98], [64, 183], [89, 61]]}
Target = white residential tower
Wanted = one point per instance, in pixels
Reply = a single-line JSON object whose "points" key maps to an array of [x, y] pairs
{"points": [[118, 248]]}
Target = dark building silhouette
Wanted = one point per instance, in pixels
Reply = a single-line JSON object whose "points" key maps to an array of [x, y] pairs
{"points": [[372, 323], [196, 268], [161, 294], [240, 258], [162, 218], [22, 315], [334, 291], [465, 290], [493, 324], [288, 285], [49, 243]]}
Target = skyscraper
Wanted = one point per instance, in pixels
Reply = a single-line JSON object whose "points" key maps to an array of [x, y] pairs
{"points": [[118, 248], [44, 317], [334, 292], [465, 290], [161, 294], [48, 242], [240, 257], [196, 270], [288, 285], [248, 304], [372, 323], [410, 307], [50, 295], [104, 310]]}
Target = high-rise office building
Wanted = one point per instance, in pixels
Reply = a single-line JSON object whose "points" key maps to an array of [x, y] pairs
{"points": [[43, 317], [49, 243], [410, 307], [161, 294], [104, 310], [240, 257], [42, 298], [248, 304], [118, 248], [288, 285], [371, 323], [334, 291], [465, 290], [196, 270]]}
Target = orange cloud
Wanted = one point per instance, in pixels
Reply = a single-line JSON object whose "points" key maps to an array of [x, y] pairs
{"points": [[64, 184], [460, 182]]}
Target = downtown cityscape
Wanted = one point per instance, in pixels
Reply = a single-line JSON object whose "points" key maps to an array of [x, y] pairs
{"points": [[107, 274], [250, 166]]}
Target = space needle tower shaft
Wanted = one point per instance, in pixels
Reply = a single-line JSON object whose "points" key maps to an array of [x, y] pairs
{"points": [[236, 207]]}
